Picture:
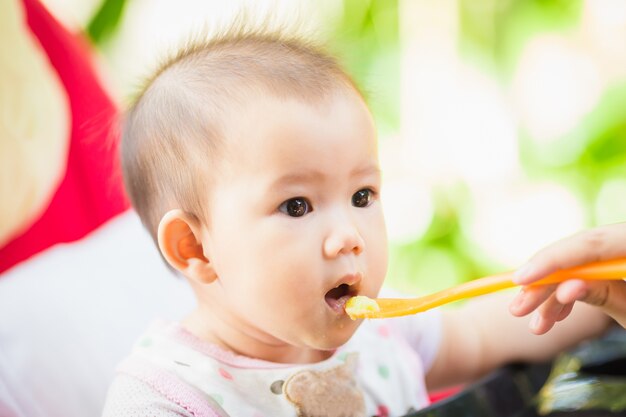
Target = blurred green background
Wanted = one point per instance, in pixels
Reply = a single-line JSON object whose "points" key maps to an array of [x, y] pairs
{"points": [[502, 122]]}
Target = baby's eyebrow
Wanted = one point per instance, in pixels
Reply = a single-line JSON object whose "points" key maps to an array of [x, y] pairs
{"points": [[298, 178], [313, 176], [368, 170]]}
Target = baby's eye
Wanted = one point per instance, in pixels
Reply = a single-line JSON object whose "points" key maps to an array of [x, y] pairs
{"points": [[362, 198], [295, 207]]}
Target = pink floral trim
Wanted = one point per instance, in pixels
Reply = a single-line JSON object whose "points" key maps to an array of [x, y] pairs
{"points": [[169, 386]]}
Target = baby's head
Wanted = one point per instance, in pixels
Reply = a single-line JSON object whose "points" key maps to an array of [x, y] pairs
{"points": [[252, 160]]}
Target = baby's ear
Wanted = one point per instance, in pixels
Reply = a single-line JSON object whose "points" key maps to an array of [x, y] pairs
{"points": [[180, 242]]}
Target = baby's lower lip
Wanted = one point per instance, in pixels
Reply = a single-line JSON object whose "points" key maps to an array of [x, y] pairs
{"points": [[338, 304]]}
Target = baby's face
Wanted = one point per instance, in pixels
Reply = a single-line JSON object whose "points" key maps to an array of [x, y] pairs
{"points": [[295, 221]]}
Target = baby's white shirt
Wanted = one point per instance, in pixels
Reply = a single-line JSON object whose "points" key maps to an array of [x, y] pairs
{"points": [[379, 372]]}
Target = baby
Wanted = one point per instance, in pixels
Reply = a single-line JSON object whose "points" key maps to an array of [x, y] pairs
{"points": [[252, 161]]}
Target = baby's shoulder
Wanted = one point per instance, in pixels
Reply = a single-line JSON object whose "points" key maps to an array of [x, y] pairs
{"points": [[129, 396]]}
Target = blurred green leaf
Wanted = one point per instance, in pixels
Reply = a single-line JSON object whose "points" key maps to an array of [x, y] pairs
{"points": [[106, 20], [366, 37], [497, 30]]}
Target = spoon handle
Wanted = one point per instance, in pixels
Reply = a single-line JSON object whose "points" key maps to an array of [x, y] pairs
{"points": [[393, 307]]}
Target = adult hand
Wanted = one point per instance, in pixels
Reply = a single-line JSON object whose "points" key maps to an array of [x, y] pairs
{"points": [[552, 303]]}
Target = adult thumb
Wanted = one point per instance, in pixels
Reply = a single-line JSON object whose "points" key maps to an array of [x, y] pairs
{"points": [[610, 296]]}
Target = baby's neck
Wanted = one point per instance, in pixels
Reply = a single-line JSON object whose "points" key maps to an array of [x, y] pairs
{"points": [[247, 344]]}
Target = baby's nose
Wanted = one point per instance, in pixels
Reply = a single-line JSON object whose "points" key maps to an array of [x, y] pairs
{"points": [[343, 240]]}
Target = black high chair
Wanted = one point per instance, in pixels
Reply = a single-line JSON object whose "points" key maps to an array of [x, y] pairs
{"points": [[588, 381]]}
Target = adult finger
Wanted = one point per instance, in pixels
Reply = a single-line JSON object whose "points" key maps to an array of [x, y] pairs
{"points": [[567, 308], [601, 243], [575, 290], [529, 298], [615, 302], [610, 296], [548, 312]]}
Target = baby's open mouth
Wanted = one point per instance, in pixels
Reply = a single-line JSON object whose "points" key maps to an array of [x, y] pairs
{"points": [[338, 296]]}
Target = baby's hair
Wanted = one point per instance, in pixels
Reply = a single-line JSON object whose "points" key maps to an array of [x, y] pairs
{"points": [[173, 133]]}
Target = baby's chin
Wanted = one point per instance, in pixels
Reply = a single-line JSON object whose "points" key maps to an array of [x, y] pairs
{"points": [[338, 336]]}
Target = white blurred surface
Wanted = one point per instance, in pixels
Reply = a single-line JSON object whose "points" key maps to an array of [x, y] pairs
{"points": [[71, 313]]}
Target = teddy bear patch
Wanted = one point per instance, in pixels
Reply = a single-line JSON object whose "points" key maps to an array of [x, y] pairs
{"points": [[329, 393]]}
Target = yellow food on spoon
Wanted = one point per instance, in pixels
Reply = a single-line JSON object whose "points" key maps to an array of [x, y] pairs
{"points": [[359, 306]]}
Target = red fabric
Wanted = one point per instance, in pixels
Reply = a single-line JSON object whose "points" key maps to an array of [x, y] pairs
{"points": [[443, 394], [91, 191]]}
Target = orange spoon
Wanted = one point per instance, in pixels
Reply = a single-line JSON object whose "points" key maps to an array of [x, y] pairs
{"points": [[362, 307]]}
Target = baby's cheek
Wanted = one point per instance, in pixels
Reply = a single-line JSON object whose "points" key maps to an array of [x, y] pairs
{"points": [[378, 267]]}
